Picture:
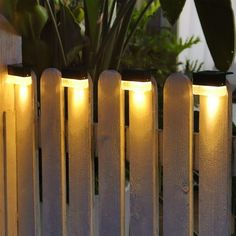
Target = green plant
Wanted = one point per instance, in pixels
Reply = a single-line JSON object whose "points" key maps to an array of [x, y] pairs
{"points": [[95, 33], [158, 51]]}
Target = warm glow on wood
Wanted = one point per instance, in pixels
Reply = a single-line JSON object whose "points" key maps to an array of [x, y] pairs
{"points": [[18, 80], [209, 90], [75, 83], [23, 93], [136, 86], [78, 97], [139, 98]]}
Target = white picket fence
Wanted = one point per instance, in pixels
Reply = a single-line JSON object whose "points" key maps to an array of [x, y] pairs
{"points": [[27, 135]]}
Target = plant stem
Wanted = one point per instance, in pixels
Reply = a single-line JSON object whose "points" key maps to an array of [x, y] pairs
{"points": [[57, 32]]}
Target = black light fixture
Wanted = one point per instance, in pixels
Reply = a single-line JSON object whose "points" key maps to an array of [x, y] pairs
{"points": [[19, 74]]}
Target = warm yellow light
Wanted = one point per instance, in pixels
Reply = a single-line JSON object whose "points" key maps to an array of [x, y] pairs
{"points": [[18, 80], [75, 83], [23, 93], [212, 105], [136, 86], [209, 90], [78, 95]]}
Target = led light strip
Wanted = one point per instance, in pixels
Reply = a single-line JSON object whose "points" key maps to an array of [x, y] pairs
{"points": [[136, 86], [209, 90], [75, 83], [18, 80]]}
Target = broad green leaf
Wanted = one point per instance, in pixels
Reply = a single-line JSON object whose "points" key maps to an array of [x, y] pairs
{"points": [[172, 9], [29, 22], [217, 22]]}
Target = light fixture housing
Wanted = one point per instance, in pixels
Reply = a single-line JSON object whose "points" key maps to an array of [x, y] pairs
{"points": [[75, 78], [207, 83], [19, 74], [136, 80]]}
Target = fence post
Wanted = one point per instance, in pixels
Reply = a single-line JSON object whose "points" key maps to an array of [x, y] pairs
{"points": [[215, 165], [53, 154], [143, 162], [10, 53], [111, 154], [81, 192], [177, 157]]}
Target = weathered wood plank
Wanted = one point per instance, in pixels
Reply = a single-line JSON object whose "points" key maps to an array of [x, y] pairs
{"points": [[177, 156], [53, 154], [111, 154], [10, 174], [81, 192], [26, 159], [143, 163], [10, 53], [214, 166]]}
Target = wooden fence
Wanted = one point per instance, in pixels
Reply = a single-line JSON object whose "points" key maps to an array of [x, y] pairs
{"points": [[47, 158]]}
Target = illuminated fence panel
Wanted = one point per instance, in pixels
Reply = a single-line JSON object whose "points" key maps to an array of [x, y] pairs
{"points": [[111, 155], [214, 166], [177, 156], [10, 172], [81, 195], [26, 159], [53, 154], [143, 162]]}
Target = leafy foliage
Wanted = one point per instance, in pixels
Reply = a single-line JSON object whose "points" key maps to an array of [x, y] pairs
{"points": [[156, 49], [96, 33]]}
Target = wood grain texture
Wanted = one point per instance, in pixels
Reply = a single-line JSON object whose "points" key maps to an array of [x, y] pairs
{"points": [[111, 154], [53, 154], [26, 158], [80, 161], [177, 157], [214, 166], [10, 175], [10, 53], [143, 163]]}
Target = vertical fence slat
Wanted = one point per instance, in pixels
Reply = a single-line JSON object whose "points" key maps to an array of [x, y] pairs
{"points": [[26, 157], [10, 172], [53, 154], [80, 161], [143, 163], [111, 154], [177, 161], [214, 166], [10, 53]]}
